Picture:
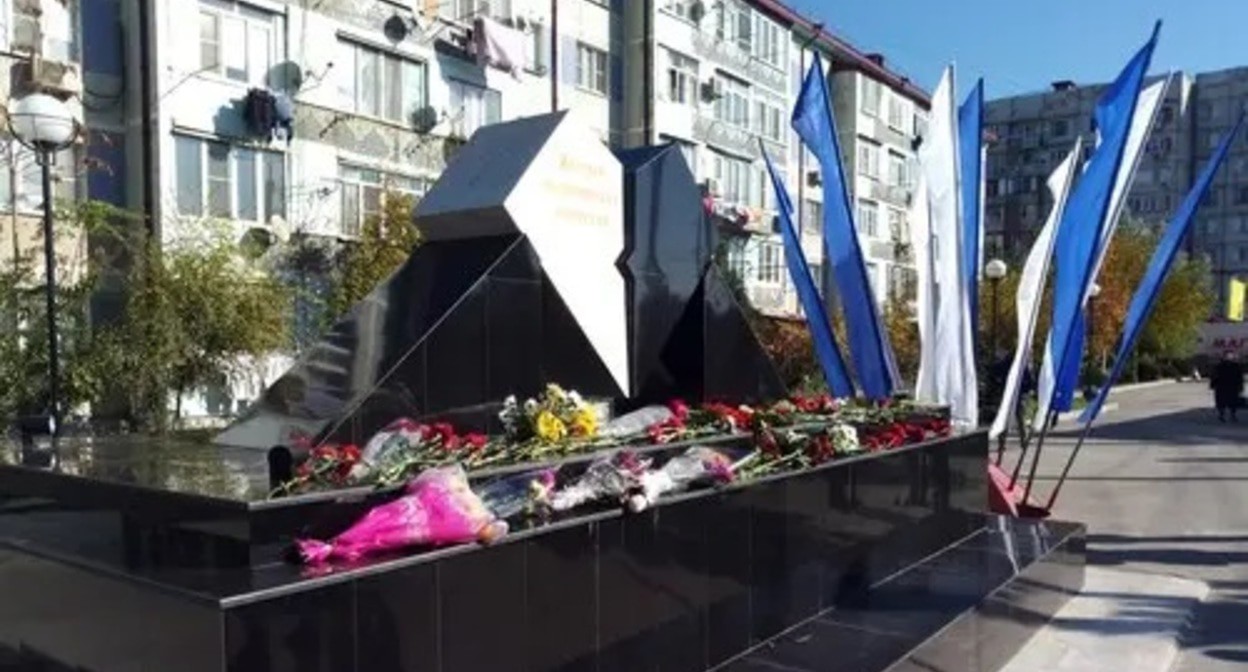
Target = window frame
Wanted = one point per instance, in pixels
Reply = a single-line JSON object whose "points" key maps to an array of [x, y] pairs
{"points": [[250, 18], [733, 107], [387, 182], [599, 67], [868, 227], [682, 74], [384, 62], [487, 97], [268, 200]]}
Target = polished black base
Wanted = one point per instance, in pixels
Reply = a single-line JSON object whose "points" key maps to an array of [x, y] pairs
{"points": [[890, 544]]}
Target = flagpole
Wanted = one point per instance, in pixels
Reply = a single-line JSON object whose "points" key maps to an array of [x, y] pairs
{"points": [[1035, 457], [1083, 436]]}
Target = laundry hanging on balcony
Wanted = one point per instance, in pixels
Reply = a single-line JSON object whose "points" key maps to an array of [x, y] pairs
{"points": [[499, 46], [269, 115]]}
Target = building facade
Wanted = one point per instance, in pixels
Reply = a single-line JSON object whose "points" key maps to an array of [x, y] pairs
{"points": [[290, 118], [1028, 136], [1220, 233], [40, 51], [720, 80]]}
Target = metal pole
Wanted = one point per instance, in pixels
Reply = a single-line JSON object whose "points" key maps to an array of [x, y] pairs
{"points": [[996, 286], [45, 159], [1035, 457], [1087, 429]]}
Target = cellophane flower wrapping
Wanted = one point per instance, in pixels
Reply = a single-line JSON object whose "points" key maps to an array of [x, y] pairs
{"points": [[395, 438], [509, 496], [437, 509], [610, 478], [697, 464]]}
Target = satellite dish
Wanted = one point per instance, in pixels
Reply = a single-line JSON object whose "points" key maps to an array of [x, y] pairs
{"points": [[425, 119], [396, 28]]}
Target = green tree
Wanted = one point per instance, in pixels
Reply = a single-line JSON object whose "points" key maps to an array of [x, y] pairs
{"points": [[23, 317], [193, 312], [385, 242]]}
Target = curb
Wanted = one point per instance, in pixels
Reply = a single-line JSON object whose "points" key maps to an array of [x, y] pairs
{"points": [[1069, 416], [1090, 633], [1133, 387]]}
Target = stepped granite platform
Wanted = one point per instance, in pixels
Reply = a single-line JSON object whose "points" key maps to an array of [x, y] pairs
{"points": [[875, 561]]}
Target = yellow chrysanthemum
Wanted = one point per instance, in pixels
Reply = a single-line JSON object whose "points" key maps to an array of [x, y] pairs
{"points": [[550, 428], [584, 422]]}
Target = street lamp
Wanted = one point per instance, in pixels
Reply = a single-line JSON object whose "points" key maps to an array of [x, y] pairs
{"points": [[46, 125], [995, 271], [1093, 291]]}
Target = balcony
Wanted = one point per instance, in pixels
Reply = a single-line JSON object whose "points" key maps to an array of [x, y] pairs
{"points": [[728, 54], [736, 140], [891, 194]]}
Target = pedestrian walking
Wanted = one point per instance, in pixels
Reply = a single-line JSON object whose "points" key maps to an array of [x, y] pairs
{"points": [[1227, 383]]}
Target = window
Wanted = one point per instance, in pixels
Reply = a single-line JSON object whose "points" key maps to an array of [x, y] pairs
{"points": [[473, 107], [216, 179], [237, 41], [738, 259], [379, 84], [868, 158], [462, 11], [733, 106], [364, 190], [1167, 114], [687, 149], [897, 169], [591, 68], [770, 261], [1211, 197], [1241, 195], [767, 120], [769, 41], [682, 79], [897, 229], [734, 177], [27, 176], [896, 113], [872, 93], [1060, 128], [812, 216], [868, 218], [681, 8]]}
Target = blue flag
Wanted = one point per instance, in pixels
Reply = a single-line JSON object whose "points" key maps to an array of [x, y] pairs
{"points": [[1079, 235], [1150, 287], [868, 341], [971, 138], [826, 350]]}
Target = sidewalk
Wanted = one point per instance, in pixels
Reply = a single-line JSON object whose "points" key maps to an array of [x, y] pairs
{"points": [[1122, 620]]}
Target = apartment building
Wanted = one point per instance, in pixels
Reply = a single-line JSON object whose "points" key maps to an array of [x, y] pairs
{"points": [[1028, 136], [1220, 233], [40, 51], [284, 118], [720, 80]]}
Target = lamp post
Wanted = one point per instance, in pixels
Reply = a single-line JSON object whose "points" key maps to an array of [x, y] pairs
{"points": [[46, 125], [1093, 291], [995, 271]]}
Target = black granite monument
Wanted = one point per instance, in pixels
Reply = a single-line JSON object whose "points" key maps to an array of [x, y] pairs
{"points": [[546, 258]]}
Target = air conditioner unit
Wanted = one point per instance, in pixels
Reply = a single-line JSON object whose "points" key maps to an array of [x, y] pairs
{"points": [[713, 89], [814, 178], [58, 78]]}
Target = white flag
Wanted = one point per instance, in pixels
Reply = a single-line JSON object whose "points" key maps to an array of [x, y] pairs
{"points": [[925, 296], [1031, 287], [1146, 109], [954, 376]]}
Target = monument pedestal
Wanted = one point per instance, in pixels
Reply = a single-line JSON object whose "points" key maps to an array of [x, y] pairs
{"points": [[878, 560]]}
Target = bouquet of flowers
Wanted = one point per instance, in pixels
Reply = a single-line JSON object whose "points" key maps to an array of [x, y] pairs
{"points": [[553, 417], [698, 464], [437, 509], [609, 478]]}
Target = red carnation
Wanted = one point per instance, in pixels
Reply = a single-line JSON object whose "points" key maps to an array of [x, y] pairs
{"points": [[679, 409], [475, 441]]}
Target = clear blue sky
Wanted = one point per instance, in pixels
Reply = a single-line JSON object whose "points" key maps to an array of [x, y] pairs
{"points": [[1022, 45]]}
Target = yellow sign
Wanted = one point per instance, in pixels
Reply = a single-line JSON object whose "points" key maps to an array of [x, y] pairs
{"points": [[1235, 302]]}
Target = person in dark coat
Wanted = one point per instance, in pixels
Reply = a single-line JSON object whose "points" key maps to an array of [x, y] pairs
{"points": [[1227, 383]]}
